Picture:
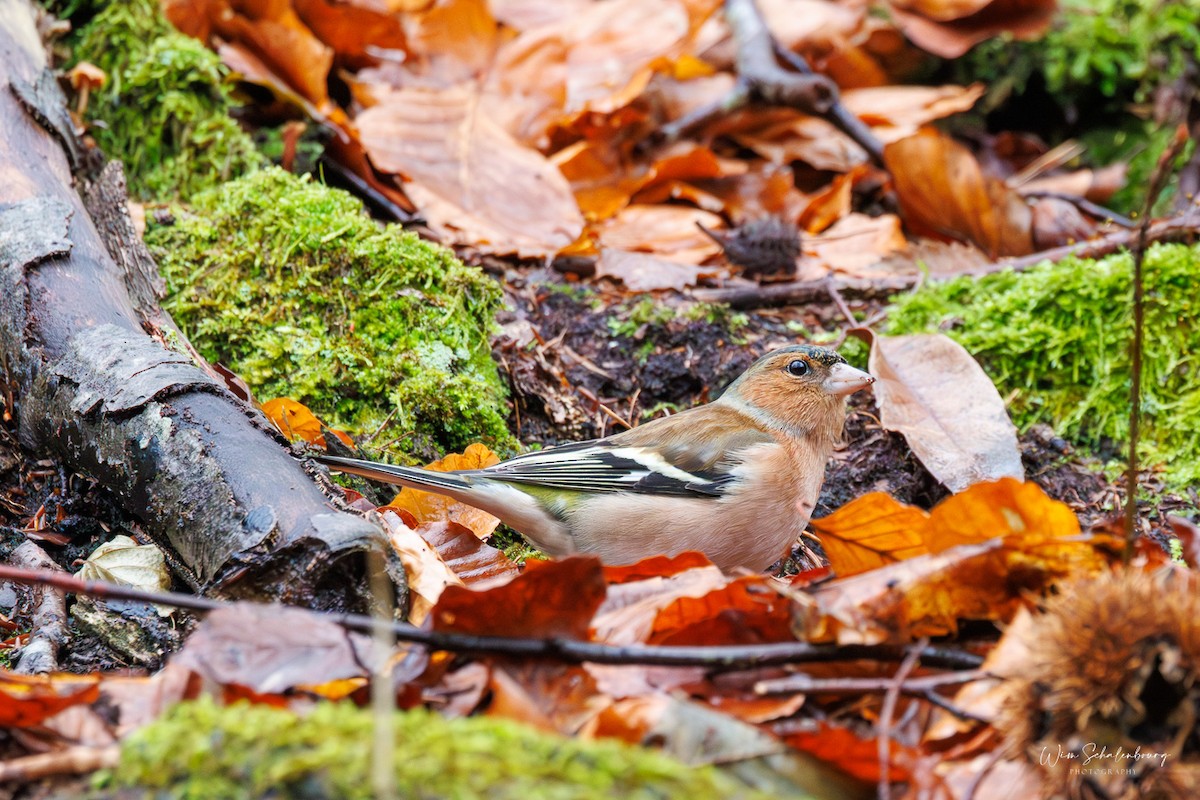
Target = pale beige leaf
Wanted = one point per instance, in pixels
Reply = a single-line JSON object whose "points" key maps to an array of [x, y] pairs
{"points": [[644, 272], [894, 112], [426, 572], [124, 561], [473, 182], [932, 391]]}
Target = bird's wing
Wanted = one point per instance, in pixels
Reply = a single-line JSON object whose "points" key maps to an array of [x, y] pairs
{"points": [[670, 456]]}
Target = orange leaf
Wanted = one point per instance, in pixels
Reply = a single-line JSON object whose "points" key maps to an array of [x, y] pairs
{"points": [[470, 178], [1008, 508], [550, 598], [295, 421], [847, 751], [426, 507], [943, 190], [27, 700], [746, 611], [871, 531], [989, 548]]}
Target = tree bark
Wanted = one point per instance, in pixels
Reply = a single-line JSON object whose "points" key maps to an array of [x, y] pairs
{"points": [[109, 385]]}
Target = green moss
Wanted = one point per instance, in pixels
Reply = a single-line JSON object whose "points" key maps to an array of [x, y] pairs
{"points": [[1056, 338], [165, 109], [199, 750], [1098, 59], [290, 284]]}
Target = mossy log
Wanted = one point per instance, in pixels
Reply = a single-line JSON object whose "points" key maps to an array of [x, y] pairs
{"points": [[107, 383]]}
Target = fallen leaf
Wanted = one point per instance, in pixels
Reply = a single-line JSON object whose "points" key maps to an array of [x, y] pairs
{"points": [[295, 421], [643, 272], [269, 650], [426, 507], [943, 190], [851, 753], [468, 557], [894, 112], [871, 531], [949, 28], [857, 245], [471, 180], [28, 700], [667, 231], [597, 60], [549, 599], [426, 574], [992, 548], [748, 610], [124, 562], [270, 31], [930, 389], [356, 31]]}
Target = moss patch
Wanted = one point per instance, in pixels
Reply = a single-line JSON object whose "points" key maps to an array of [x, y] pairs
{"points": [[165, 109], [291, 285], [1057, 337], [199, 750]]}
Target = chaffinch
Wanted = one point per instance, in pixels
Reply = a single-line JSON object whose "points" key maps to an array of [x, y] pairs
{"points": [[736, 479]]}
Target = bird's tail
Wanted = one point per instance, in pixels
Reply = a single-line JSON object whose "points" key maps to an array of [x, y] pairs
{"points": [[388, 473]]}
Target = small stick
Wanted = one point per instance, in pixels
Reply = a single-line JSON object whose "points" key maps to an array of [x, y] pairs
{"points": [[886, 714], [1158, 181], [574, 651]]}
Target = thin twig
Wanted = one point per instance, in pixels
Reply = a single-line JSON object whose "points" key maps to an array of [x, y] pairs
{"points": [[1087, 207], [840, 302], [793, 684], [887, 712], [731, 657], [1158, 181]]}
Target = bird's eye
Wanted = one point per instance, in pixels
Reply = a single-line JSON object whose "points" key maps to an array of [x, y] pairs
{"points": [[798, 368]]}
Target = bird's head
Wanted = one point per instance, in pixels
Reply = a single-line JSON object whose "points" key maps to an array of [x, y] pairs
{"points": [[798, 388]]}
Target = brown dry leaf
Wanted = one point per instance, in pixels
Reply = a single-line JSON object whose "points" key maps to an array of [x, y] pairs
{"points": [[426, 507], [667, 231], [991, 548], [1057, 222], [295, 421], [472, 181], [456, 38], [271, 649], [1008, 508], [832, 203], [841, 747], [642, 272], [426, 573], [470, 559], [932, 391], [354, 30], [783, 136], [949, 28], [871, 531], [270, 32], [942, 189], [28, 700], [894, 112], [800, 24], [1097, 185], [549, 599], [598, 60], [747, 610], [629, 610], [857, 245]]}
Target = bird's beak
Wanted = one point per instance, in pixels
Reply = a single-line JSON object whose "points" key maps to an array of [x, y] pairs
{"points": [[844, 380]]}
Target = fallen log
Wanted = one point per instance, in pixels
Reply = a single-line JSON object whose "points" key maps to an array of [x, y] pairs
{"points": [[105, 381]]}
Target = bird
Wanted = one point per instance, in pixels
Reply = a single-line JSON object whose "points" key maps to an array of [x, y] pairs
{"points": [[736, 479]]}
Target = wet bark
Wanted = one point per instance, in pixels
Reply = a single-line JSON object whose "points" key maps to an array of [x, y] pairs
{"points": [[107, 383]]}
